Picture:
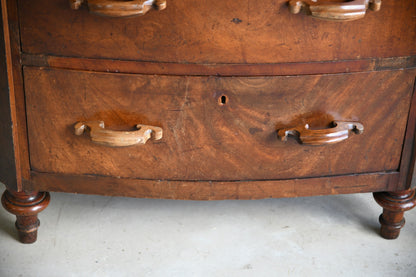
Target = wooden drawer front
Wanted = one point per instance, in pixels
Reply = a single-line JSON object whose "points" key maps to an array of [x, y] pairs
{"points": [[206, 140], [217, 31]]}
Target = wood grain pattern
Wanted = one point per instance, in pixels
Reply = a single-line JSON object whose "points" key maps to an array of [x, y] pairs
{"points": [[194, 66], [208, 190], [261, 31], [204, 140]]}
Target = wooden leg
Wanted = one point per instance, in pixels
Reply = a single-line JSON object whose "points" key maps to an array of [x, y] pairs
{"points": [[26, 208], [394, 205]]}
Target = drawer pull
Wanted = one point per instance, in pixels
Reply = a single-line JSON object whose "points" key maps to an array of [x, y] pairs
{"points": [[338, 132], [336, 10], [111, 138], [119, 8]]}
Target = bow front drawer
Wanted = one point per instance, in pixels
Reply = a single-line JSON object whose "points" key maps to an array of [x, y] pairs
{"points": [[212, 128], [216, 31]]}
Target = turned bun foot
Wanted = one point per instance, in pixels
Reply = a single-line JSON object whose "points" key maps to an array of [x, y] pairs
{"points": [[26, 208], [394, 205]]}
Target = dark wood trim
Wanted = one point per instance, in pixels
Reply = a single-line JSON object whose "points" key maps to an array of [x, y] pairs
{"points": [[17, 96], [408, 162], [7, 156], [207, 190], [161, 68]]}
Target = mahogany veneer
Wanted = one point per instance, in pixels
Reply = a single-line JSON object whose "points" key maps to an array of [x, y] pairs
{"points": [[207, 100], [216, 31], [197, 127]]}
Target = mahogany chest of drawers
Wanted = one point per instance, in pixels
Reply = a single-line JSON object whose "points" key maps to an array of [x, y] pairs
{"points": [[207, 100]]}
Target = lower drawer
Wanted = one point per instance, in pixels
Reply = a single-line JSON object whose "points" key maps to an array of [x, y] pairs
{"points": [[215, 128]]}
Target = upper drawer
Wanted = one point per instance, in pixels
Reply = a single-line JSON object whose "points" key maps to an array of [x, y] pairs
{"points": [[217, 31], [215, 128]]}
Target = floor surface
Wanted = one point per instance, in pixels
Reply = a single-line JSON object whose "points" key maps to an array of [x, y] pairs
{"points": [[83, 235]]}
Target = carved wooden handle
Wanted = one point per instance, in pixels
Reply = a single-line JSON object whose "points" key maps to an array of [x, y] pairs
{"points": [[119, 8], [339, 132], [118, 138], [337, 10]]}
